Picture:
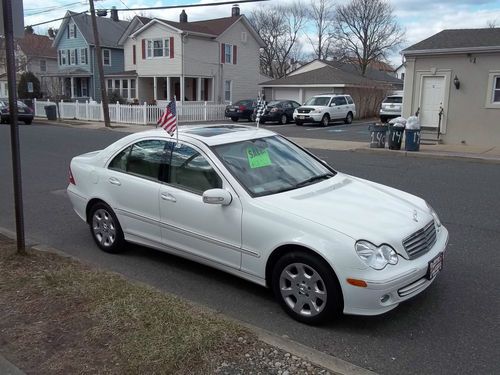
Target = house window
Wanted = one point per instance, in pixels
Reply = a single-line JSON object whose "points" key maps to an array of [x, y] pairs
{"points": [[72, 31], [132, 89], [124, 93], [106, 57], [227, 91], [84, 57], [62, 57], [158, 48], [496, 89], [228, 53], [117, 86], [43, 65], [402, 76], [110, 86]]}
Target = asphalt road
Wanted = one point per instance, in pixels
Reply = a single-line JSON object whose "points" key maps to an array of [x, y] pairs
{"points": [[451, 328]]}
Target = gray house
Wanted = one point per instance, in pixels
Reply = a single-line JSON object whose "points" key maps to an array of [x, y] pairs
{"points": [[78, 73], [214, 60], [453, 80]]}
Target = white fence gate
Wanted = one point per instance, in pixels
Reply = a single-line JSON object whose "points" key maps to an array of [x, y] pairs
{"points": [[133, 114]]}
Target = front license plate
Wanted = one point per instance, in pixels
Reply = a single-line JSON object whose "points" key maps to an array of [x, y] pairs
{"points": [[301, 117], [435, 265]]}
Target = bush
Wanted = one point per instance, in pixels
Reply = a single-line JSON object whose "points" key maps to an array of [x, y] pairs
{"points": [[22, 88], [114, 97]]}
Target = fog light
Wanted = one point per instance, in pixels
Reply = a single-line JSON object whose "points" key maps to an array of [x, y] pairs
{"points": [[356, 282], [385, 298]]}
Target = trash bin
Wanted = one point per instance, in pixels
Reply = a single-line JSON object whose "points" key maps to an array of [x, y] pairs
{"points": [[51, 112], [412, 140], [378, 135], [395, 136]]}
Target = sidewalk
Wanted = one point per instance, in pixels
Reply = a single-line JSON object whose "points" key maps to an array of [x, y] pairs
{"points": [[476, 153]]}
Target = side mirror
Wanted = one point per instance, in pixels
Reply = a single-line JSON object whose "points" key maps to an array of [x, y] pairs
{"points": [[332, 105], [217, 196]]}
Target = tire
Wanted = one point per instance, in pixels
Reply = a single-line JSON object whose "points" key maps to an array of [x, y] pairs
{"points": [[235, 119], [105, 228], [283, 119], [293, 285], [325, 120], [299, 123], [348, 118]]}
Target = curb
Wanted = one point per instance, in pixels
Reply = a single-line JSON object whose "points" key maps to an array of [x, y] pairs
{"points": [[333, 364]]}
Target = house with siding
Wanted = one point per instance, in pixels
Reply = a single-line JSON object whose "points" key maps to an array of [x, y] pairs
{"points": [[215, 60], [77, 73]]}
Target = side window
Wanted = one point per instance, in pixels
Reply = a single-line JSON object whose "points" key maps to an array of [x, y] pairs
{"points": [[349, 100], [191, 171], [120, 161], [287, 105], [340, 100]]}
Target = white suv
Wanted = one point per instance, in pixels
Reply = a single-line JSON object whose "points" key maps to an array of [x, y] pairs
{"points": [[325, 108]]}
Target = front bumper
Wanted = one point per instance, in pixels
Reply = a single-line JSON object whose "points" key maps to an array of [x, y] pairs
{"points": [[308, 117], [392, 285]]}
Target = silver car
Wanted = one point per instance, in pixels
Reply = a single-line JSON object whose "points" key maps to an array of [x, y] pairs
{"points": [[391, 107]]}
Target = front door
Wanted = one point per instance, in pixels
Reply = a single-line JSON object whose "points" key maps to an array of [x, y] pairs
{"points": [[209, 231], [431, 101]]}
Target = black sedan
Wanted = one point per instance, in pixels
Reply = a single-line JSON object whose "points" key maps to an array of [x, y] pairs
{"points": [[243, 109], [24, 113], [280, 111]]}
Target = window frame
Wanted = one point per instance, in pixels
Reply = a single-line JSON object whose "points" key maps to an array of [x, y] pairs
{"points": [[165, 48], [72, 57], [495, 83], [84, 56], [72, 30], [230, 90], [104, 50], [43, 67], [228, 57], [493, 79]]}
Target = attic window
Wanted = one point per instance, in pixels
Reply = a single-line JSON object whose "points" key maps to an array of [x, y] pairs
{"points": [[72, 30]]}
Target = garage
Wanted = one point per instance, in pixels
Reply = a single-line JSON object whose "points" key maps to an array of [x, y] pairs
{"points": [[287, 93]]}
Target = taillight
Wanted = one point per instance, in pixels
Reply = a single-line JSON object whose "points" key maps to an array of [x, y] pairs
{"points": [[242, 108], [71, 178]]}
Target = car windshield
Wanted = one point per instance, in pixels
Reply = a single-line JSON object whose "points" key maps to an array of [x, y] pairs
{"points": [[320, 100], [271, 165], [5, 103], [394, 99]]}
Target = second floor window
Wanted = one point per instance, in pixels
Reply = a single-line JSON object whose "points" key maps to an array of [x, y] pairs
{"points": [[72, 57], [496, 89], [106, 57], [84, 57], [62, 57], [158, 48], [228, 53], [43, 65]]}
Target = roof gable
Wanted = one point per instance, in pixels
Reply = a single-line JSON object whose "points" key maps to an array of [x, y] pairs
{"points": [[458, 39]]}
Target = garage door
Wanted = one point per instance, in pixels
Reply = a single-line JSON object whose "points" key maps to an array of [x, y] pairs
{"points": [[286, 94]]}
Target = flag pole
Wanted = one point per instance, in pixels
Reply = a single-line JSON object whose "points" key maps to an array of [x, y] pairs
{"points": [[258, 109], [177, 114]]}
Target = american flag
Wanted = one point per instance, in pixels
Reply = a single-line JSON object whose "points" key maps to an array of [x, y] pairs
{"points": [[168, 120]]}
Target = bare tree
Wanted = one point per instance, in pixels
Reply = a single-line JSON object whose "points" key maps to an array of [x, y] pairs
{"points": [[279, 27], [321, 14], [368, 30], [492, 23]]}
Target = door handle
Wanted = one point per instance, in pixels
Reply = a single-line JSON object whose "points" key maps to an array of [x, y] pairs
{"points": [[114, 181], [168, 197]]}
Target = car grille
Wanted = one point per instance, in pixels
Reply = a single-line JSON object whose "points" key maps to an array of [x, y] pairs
{"points": [[421, 241], [304, 110]]}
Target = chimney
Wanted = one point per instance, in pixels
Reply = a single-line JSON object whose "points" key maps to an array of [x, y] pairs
{"points": [[183, 18], [51, 33], [235, 11], [114, 14]]}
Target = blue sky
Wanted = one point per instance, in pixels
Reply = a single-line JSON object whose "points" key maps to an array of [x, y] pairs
{"points": [[420, 18]]}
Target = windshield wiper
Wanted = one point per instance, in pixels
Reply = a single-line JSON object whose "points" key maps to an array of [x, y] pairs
{"points": [[314, 179]]}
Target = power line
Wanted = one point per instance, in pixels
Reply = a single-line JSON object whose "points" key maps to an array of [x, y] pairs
{"points": [[57, 19]]}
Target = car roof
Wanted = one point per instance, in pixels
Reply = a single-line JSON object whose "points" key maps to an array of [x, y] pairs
{"points": [[213, 135]]}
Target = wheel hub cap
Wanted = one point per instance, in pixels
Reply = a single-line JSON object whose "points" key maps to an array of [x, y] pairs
{"points": [[103, 227]]}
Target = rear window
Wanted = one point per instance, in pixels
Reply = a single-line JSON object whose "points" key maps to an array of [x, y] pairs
{"points": [[394, 99], [244, 102]]}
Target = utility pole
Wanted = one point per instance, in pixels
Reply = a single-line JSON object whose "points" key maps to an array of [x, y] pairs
{"points": [[14, 128], [100, 67]]}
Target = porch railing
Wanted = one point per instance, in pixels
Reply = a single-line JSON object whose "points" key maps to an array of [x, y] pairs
{"points": [[133, 114]]}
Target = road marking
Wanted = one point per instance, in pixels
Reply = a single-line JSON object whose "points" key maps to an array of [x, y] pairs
{"points": [[274, 126], [315, 129]]}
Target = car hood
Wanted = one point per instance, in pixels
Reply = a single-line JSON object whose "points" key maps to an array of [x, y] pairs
{"points": [[311, 107], [358, 208]]}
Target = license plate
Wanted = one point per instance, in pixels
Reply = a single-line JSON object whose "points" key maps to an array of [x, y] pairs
{"points": [[435, 266], [232, 109], [301, 117]]}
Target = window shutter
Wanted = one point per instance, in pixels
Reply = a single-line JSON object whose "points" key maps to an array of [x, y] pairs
{"points": [[171, 47], [76, 56], [144, 49], [223, 53], [235, 51], [86, 56], [133, 54], [68, 31], [74, 30]]}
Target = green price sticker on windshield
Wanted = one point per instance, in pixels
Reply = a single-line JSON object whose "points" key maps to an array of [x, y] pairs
{"points": [[258, 158]]}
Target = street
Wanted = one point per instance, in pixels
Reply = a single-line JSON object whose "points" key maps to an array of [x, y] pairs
{"points": [[451, 328]]}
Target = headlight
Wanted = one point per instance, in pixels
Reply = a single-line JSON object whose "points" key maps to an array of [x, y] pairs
{"points": [[376, 257], [316, 111], [435, 216]]}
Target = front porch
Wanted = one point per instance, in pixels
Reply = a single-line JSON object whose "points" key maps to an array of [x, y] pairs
{"points": [[192, 89], [76, 88]]}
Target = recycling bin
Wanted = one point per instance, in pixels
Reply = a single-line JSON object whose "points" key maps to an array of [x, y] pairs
{"points": [[378, 136], [412, 139], [396, 134], [51, 112]]}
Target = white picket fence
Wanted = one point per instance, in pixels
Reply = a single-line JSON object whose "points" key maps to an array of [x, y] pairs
{"points": [[133, 114]]}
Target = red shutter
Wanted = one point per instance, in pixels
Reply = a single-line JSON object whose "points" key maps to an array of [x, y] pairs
{"points": [[133, 54], [223, 53], [171, 47], [143, 49], [235, 52]]}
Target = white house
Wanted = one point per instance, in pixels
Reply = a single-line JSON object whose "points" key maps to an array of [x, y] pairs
{"points": [[213, 60]]}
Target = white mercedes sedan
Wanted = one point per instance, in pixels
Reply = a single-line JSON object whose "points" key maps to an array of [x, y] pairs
{"points": [[252, 203]]}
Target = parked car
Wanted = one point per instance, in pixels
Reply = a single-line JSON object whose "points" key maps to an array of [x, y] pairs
{"points": [[391, 107], [249, 202], [280, 111], [24, 113], [325, 108], [242, 109]]}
